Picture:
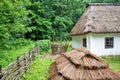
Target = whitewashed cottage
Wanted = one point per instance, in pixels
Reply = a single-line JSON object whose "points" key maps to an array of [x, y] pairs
{"points": [[98, 29]]}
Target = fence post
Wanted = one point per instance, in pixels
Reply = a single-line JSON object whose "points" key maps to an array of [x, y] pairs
{"points": [[33, 55], [18, 65], [29, 56], [25, 66], [37, 50], [1, 75]]}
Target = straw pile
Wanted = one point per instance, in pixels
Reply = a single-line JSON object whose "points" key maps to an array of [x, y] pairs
{"points": [[59, 48], [80, 64]]}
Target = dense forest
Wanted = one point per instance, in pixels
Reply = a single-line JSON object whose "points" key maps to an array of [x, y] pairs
{"points": [[39, 19]]}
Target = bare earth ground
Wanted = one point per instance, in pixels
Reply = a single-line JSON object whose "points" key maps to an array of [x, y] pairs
{"points": [[50, 56]]}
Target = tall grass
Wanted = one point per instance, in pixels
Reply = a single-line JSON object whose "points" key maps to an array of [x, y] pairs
{"points": [[7, 56], [114, 61], [39, 70]]}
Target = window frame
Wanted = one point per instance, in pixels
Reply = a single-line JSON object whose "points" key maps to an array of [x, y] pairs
{"points": [[109, 42], [84, 42]]}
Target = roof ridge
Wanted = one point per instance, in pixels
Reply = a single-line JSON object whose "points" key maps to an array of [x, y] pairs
{"points": [[103, 4]]}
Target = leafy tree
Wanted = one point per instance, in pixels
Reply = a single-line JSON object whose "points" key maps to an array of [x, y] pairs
{"points": [[39, 27], [12, 17], [47, 18]]}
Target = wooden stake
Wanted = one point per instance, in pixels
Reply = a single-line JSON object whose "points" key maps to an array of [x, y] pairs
{"points": [[18, 65], [1, 75]]}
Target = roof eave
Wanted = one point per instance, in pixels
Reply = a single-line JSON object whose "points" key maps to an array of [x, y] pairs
{"points": [[93, 32]]}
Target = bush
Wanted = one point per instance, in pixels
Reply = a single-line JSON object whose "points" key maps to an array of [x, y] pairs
{"points": [[15, 43], [44, 45]]}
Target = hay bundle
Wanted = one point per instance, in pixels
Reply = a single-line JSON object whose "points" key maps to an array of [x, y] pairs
{"points": [[80, 64], [59, 48]]}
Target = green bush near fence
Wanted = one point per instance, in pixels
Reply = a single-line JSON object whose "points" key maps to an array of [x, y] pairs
{"points": [[45, 46]]}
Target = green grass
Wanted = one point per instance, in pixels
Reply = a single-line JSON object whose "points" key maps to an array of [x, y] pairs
{"points": [[6, 57], [39, 69], [114, 62]]}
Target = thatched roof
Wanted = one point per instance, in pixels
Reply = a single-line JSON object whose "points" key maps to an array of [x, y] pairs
{"points": [[80, 64], [98, 18]]}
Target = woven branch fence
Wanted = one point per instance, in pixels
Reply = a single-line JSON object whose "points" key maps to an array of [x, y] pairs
{"points": [[15, 70]]}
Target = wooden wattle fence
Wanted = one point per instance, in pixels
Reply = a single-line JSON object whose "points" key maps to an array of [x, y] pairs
{"points": [[15, 70]]}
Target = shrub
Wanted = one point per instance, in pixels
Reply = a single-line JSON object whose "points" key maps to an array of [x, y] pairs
{"points": [[44, 45], [16, 43]]}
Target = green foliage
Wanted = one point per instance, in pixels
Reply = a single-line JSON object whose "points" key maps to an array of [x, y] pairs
{"points": [[38, 26], [45, 45], [39, 69], [69, 46], [12, 17], [48, 18], [8, 56], [114, 62], [16, 43]]}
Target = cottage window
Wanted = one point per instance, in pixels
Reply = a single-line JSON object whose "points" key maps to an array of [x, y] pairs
{"points": [[84, 42], [109, 42]]}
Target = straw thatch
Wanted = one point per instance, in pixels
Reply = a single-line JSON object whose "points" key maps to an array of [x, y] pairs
{"points": [[80, 64], [59, 48], [99, 18]]}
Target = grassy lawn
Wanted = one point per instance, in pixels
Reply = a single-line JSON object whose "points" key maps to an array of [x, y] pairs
{"points": [[39, 69], [6, 57], [114, 62]]}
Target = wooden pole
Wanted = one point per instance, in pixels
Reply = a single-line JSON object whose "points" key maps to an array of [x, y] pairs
{"points": [[38, 50], [30, 57], [1, 75], [33, 55], [25, 67], [17, 61]]}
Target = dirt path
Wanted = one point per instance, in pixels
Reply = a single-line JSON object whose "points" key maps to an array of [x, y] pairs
{"points": [[50, 56]]}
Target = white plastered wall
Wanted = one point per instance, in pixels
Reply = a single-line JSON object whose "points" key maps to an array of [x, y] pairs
{"points": [[96, 43]]}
